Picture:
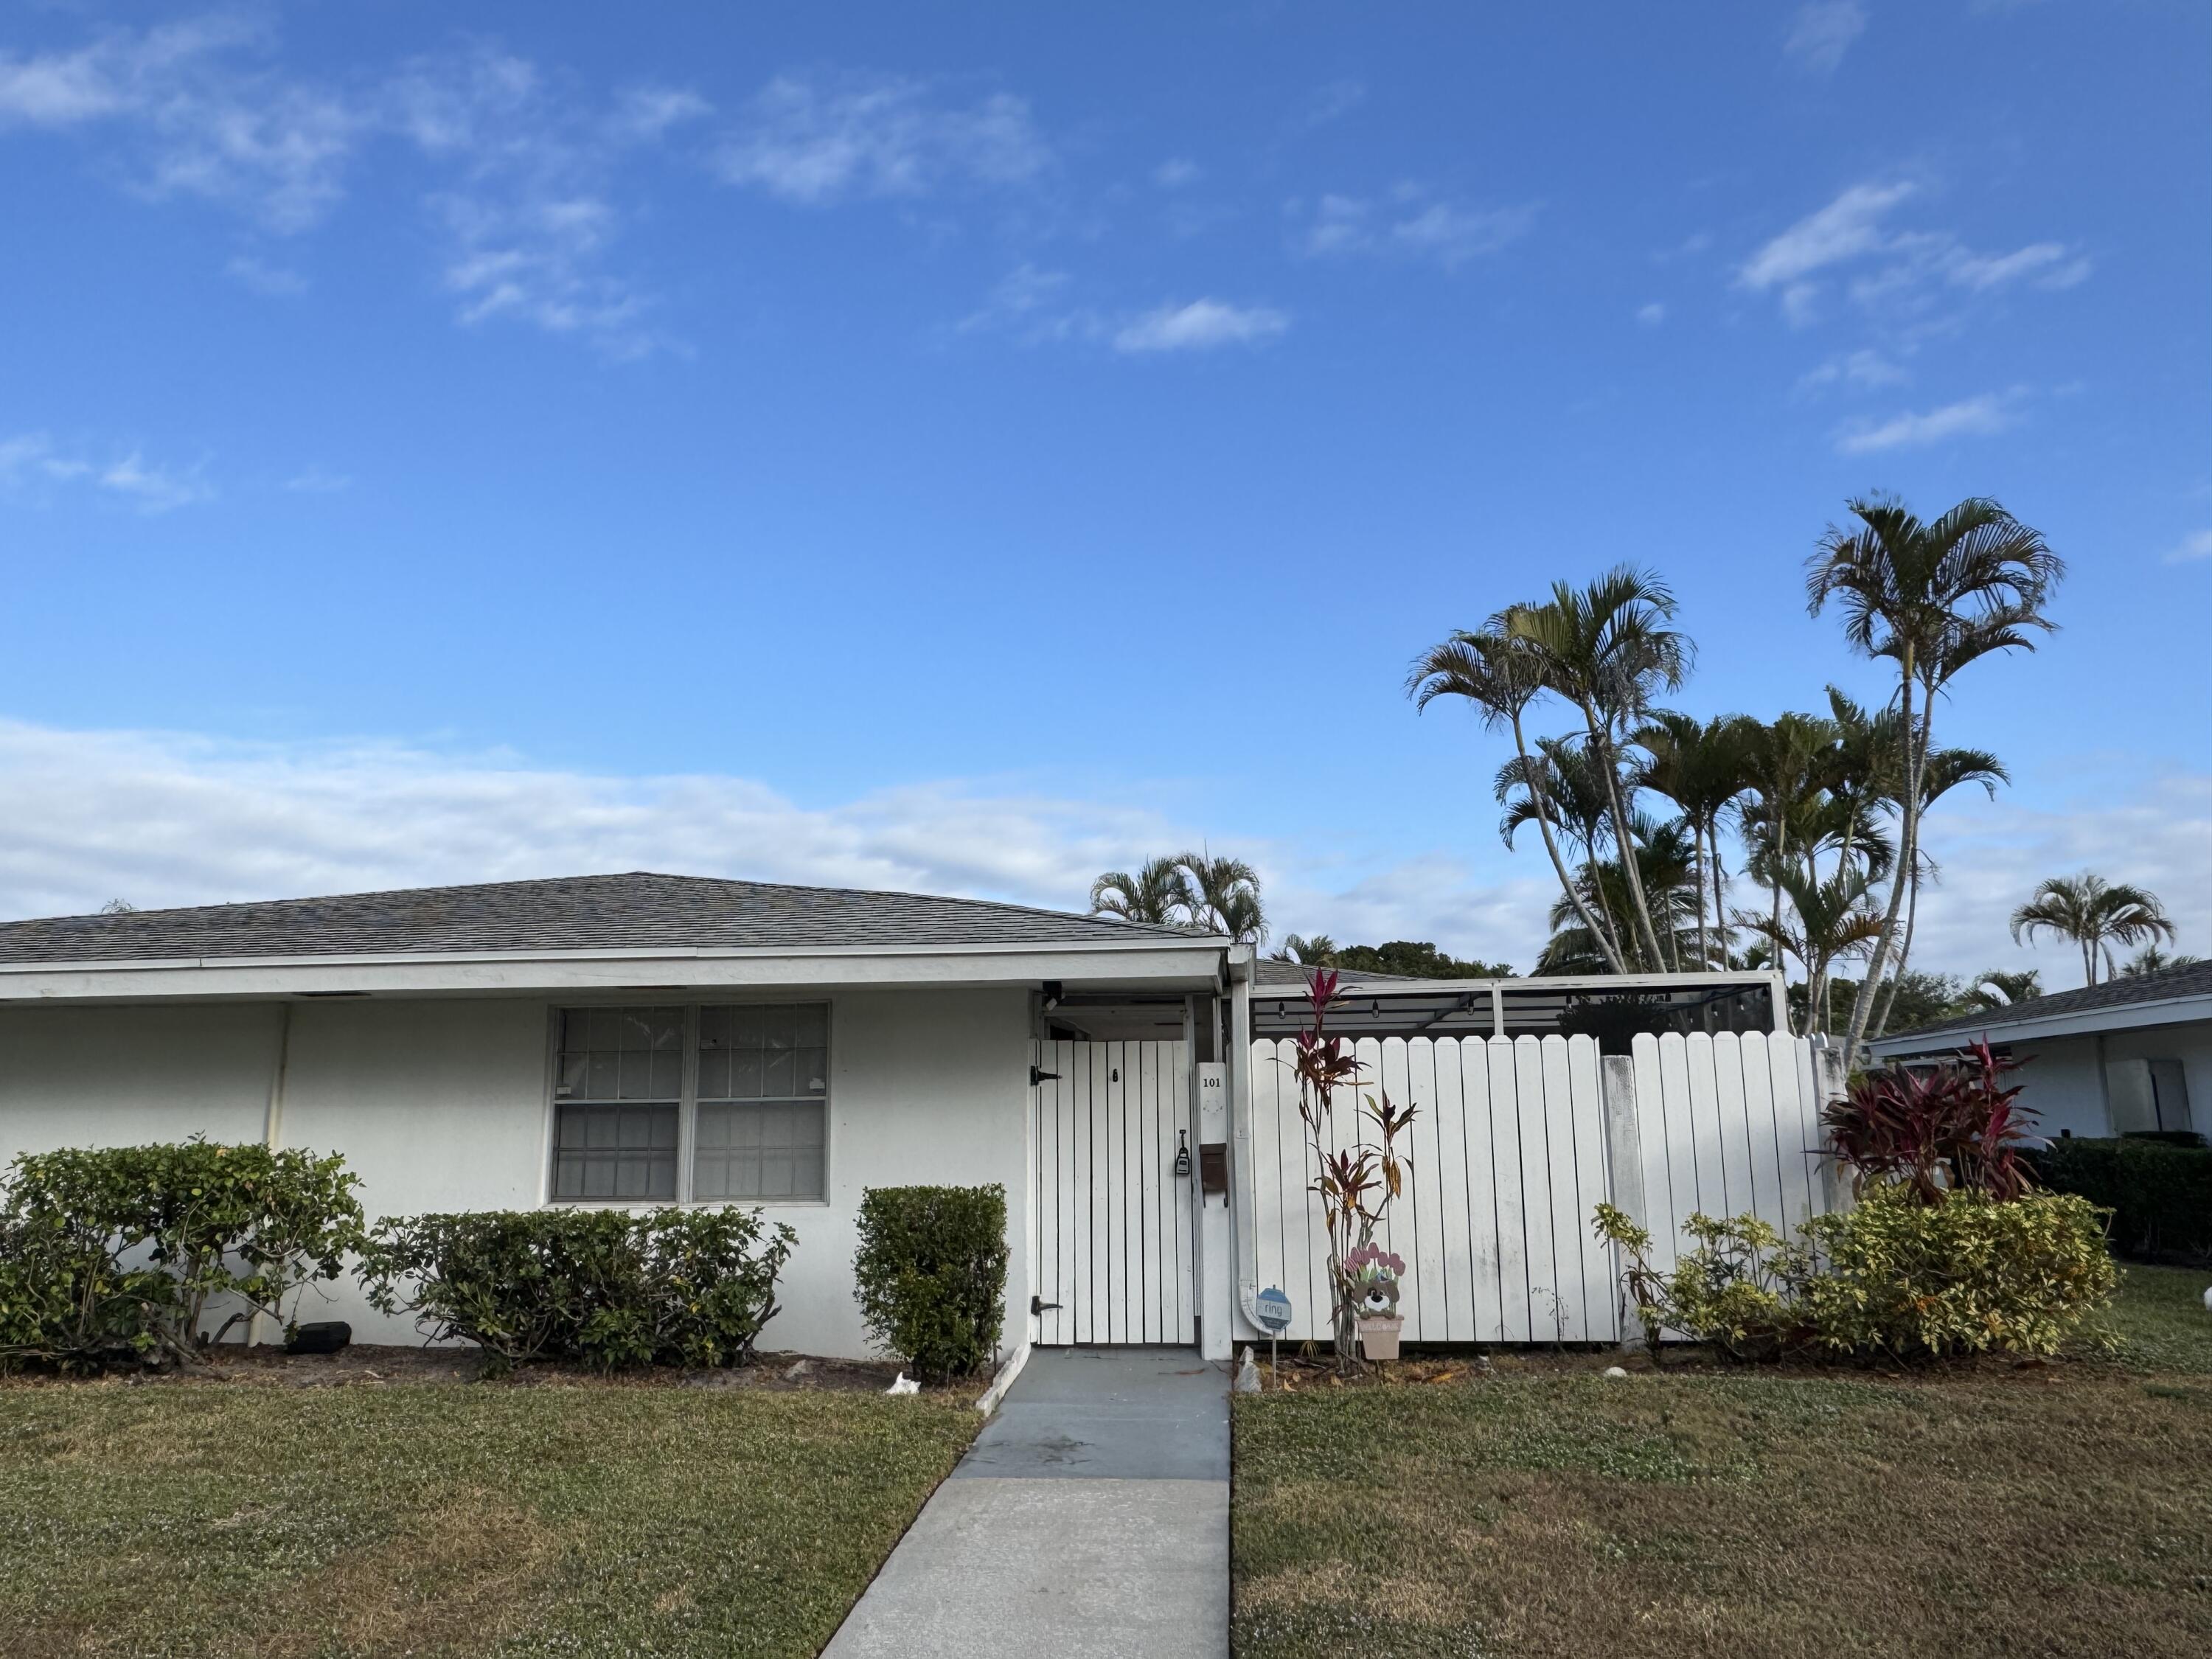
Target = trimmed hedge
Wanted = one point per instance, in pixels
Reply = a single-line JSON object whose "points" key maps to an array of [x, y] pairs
{"points": [[112, 1254], [1892, 1277], [2161, 1195], [931, 1275], [609, 1287]]}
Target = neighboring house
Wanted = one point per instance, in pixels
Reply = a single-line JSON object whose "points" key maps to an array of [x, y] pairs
{"points": [[2129, 1054], [646, 1039]]}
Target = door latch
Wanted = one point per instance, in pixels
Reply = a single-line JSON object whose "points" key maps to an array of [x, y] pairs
{"points": [[1038, 1077], [1038, 1304]]}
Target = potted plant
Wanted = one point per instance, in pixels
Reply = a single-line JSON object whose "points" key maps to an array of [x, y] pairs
{"points": [[1370, 1283]]}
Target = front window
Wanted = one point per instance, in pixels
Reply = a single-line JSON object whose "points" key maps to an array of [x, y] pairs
{"points": [[712, 1102]]}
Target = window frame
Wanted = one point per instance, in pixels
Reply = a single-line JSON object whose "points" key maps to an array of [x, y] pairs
{"points": [[687, 1104]]}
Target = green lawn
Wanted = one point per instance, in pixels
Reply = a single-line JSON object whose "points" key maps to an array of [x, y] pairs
{"points": [[2004, 1511], [232, 1519]]}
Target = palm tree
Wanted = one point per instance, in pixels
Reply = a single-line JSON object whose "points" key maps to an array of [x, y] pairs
{"points": [[1931, 597], [1606, 649], [1501, 676], [1703, 769], [1667, 865], [1784, 764], [1226, 896], [2151, 960], [1557, 783], [1997, 988], [2094, 914], [1315, 950], [1158, 893], [1828, 921], [1946, 770]]}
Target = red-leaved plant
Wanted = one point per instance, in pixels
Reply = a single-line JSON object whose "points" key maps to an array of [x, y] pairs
{"points": [[1936, 1129], [1355, 1184]]}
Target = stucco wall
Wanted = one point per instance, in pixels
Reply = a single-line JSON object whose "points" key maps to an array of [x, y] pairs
{"points": [[442, 1104], [2062, 1084]]}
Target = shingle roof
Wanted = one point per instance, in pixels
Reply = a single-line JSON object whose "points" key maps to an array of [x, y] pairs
{"points": [[1270, 974], [2190, 980], [640, 911]]}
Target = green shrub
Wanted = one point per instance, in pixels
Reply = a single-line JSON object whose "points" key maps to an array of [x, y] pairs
{"points": [[612, 1288], [1968, 1275], [2161, 1195], [113, 1252], [1896, 1276], [931, 1274]]}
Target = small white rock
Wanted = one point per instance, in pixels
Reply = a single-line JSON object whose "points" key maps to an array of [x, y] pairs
{"points": [[2208, 1298], [1615, 1371], [1247, 1376]]}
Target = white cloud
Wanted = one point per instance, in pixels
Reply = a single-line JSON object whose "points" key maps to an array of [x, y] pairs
{"points": [[164, 818], [1970, 417], [2196, 546], [1903, 275], [1651, 315], [1823, 31], [1336, 100], [2056, 266], [319, 481], [1847, 227], [32, 468], [816, 142], [1992, 855], [1407, 222], [523, 167], [1175, 174], [647, 113], [1865, 369], [1200, 325], [1031, 304], [279, 282]]}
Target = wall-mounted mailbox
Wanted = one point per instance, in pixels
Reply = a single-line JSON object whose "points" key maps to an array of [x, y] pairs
{"points": [[1213, 1166]]}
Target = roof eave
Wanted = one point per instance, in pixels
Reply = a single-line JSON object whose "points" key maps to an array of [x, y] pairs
{"points": [[1147, 959], [2084, 1022]]}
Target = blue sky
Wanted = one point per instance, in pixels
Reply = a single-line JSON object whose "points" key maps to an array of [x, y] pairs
{"points": [[963, 446]]}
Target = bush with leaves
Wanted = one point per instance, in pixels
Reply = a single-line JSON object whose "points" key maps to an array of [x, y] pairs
{"points": [[110, 1253], [931, 1275], [1936, 1128], [2161, 1194], [1895, 1278], [611, 1288]]}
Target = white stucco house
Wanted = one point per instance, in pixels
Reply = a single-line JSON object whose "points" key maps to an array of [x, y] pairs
{"points": [[647, 1039], [2106, 1059], [623, 1039]]}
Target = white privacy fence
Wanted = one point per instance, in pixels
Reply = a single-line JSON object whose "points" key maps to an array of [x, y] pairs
{"points": [[1514, 1145]]}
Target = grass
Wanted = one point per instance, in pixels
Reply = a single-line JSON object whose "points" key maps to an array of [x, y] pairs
{"points": [[2040, 1510], [207, 1519]]}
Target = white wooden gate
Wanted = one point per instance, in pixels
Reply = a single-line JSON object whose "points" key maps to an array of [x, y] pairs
{"points": [[1110, 1240], [1513, 1148]]}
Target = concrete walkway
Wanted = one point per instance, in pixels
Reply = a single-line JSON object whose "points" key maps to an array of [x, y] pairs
{"points": [[1089, 1517]]}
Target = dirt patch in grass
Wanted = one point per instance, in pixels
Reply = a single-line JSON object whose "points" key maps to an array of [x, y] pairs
{"points": [[1996, 1511], [452, 1518], [376, 1365]]}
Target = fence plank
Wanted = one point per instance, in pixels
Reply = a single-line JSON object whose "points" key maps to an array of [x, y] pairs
{"points": [[1483, 1231], [1563, 1197], [1593, 1183], [1454, 1263], [1400, 1229], [1427, 1266]]}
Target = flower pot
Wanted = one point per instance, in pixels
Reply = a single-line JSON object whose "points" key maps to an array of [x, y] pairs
{"points": [[1378, 1335]]}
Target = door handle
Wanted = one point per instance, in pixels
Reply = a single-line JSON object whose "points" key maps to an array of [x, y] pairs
{"points": [[1038, 1304]]}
